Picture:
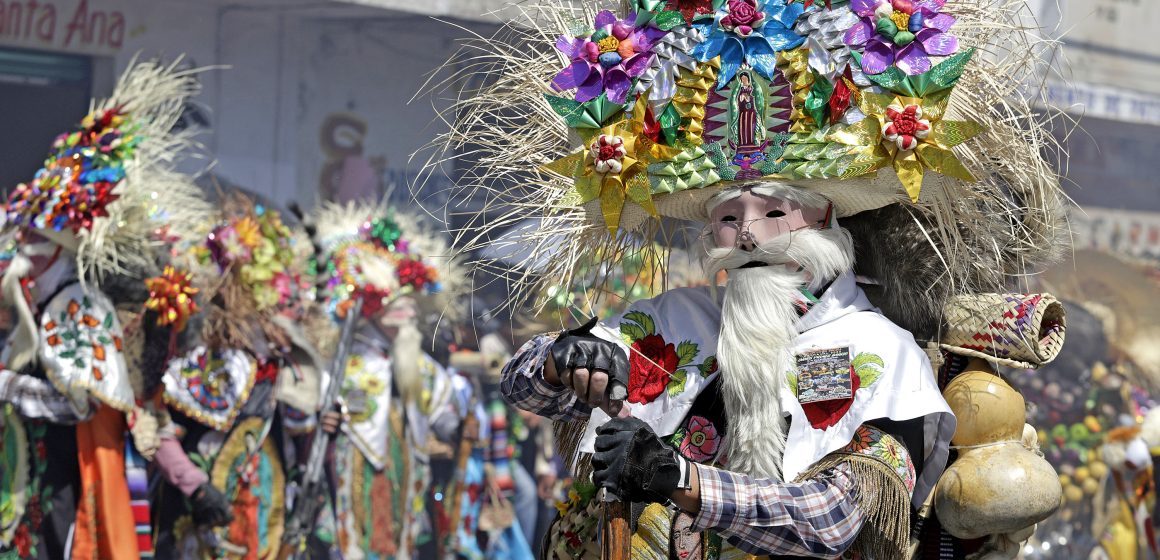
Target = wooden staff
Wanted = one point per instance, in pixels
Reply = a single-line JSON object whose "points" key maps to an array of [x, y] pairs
{"points": [[455, 489], [617, 543]]}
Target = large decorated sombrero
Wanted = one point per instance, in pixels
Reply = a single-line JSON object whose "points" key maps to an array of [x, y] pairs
{"points": [[109, 190], [376, 253], [602, 122]]}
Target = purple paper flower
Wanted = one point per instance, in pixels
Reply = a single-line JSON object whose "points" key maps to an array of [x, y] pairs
{"points": [[608, 60], [905, 33]]}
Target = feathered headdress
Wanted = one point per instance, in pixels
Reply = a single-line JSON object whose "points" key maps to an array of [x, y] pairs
{"points": [[600, 123]]}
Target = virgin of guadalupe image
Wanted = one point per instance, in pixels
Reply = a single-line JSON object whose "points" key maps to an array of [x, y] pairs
{"points": [[747, 134]]}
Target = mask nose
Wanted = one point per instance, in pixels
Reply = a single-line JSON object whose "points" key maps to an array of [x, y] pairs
{"points": [[745, 241]]}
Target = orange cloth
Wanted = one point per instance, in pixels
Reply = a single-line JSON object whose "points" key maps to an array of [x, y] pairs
{"points": [[244, 529], [104, 524]]}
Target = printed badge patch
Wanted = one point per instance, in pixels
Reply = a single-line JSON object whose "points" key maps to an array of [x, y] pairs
{"points": [[824, 375]]}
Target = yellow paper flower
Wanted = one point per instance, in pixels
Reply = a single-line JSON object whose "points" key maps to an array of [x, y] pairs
{"points": [[908, 134], [613, 168], [171, 296]]}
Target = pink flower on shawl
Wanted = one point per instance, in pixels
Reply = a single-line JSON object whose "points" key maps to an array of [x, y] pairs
{"points": [[700, 444]]}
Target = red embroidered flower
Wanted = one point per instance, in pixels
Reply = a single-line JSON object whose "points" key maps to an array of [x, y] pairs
{"points": [[22, 541], [823, 414], [905, 126], [35, 515], [651, 364]]}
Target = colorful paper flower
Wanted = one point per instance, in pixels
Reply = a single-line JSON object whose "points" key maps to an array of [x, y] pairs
{"points": [[613, 167], [905, 126], [905, 33], [748, 32], [909, 134], [608, 153], [608, 60], [701, 441], [77, 183], [171, 296]]}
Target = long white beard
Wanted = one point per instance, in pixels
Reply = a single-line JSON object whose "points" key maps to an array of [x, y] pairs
{"points": [[759, 324], [405, 354]]}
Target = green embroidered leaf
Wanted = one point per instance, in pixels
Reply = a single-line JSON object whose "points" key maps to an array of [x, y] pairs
{"points": [[79, 362], [686, 353], [707, 366], [867, 367], [68, 354], [632, 332], [68, 335], [677, 382], [792, 379], [643, 320], [864, 358], [108, 324], [677, 437], [104, 340], [85, 302]]}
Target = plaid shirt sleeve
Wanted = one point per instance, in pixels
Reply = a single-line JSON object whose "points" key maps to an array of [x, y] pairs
{"points": [[818, 518], [37, 399], [524, 387]]}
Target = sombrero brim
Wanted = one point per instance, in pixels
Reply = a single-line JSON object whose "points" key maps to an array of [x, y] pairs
{"points": [[850, 196]]}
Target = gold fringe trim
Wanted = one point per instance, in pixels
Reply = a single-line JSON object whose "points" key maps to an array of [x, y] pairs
{"points": [[568, 435], [883, 499]]}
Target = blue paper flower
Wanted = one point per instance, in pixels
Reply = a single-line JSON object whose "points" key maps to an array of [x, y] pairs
{"points": [[750, 32]]}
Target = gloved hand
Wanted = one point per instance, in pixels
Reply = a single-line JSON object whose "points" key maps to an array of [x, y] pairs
{"points": [[143, 426], [210, 507], [596, 369], [633, 463]]}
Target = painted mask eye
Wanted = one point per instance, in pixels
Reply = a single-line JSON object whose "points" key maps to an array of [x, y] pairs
{"points": [[774, 214]]}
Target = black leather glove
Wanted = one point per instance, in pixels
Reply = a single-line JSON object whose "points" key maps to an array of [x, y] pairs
{"points": [[633, 463], [210, 507], [579, 348]]}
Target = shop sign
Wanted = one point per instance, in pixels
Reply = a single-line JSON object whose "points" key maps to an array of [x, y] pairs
{"points": [[79, 26]]}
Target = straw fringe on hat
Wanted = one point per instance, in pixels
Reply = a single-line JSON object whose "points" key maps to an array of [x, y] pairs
{"points": [[511, 132]]}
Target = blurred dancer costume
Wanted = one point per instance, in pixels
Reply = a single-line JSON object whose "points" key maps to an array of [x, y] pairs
{"points": [[85, 234], [803, 135], [394, 396], [228, 453]]}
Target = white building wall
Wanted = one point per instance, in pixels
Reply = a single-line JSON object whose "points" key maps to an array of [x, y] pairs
{"points": [[290, 65]]}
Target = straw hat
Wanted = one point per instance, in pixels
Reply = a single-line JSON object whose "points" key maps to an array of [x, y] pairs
{"points": [[623, 117]]}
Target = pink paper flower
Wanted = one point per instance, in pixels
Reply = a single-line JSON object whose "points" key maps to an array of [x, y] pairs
{"points": [[743, 17], [700, 444]]}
